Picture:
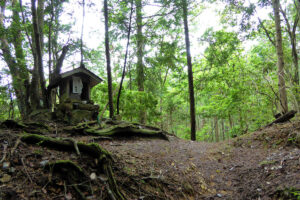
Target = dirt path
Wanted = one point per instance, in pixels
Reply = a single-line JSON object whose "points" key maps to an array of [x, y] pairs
{"points": [[245, 168]]}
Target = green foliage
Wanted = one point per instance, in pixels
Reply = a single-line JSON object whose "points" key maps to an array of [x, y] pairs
{"points": [[131, 103]]}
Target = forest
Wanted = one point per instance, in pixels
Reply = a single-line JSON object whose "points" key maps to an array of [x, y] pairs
{"points": [[237, 84], [237, 88], [196, 70]]}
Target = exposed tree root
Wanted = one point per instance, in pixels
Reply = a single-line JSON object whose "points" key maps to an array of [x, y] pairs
{"points": [[120, 130], [124, 130], [33, 127], [70, 172], [94, 150]]}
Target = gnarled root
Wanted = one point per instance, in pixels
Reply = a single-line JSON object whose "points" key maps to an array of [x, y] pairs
{"points": [[94, 150]]}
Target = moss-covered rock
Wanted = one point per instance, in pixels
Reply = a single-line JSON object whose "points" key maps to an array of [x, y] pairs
{"points": [[78, 116]]}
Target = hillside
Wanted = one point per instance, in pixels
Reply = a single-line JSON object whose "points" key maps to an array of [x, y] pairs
{"points": [[260, 165]]}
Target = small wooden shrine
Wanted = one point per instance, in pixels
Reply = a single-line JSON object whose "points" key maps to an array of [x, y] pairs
{"points": [[74, 88]]}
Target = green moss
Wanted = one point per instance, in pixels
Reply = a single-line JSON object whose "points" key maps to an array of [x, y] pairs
{"points": [[288, 193], [267, 162], [65, 164]]}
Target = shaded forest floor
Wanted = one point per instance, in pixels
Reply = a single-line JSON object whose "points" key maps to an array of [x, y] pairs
{"points": [[261, 165]]}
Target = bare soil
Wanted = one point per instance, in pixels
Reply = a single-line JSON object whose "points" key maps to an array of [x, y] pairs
{"points": [[260, 165]]}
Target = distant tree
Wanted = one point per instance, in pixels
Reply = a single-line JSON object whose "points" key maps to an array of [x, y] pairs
{"points": [[140, 44]]}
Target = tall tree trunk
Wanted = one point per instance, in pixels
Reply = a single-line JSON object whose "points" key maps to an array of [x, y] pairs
{"points": [[190, 71], [109, 79], [50, 40], [291, 29], [38, 23], [16, 63], [140, 54], [280, 59], [125, 60]]}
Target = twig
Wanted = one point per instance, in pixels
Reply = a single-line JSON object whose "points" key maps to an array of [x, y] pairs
{"points": [[100, 138], [15, 146], [26, 171], [65, 188], [74, 143], [4, 152]]}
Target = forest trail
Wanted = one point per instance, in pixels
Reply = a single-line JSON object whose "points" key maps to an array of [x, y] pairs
{"points": [[261, 165], [254, 166]]}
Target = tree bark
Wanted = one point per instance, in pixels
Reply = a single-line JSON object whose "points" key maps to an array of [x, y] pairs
{"points": [[16, 64], [190, 71], [291, 29], [125, 60], [38, 23], [223, 129], [140, 55], [217, 129], [109, 79], [280, 59]]}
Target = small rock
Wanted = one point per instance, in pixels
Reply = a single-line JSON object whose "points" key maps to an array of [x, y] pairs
{"points": [[93, 176], [103, 177], [12, 170], [68, 196], [219, 195], [6, 178], [44, 162], [6, 165], [258, 189], [268, 183]]}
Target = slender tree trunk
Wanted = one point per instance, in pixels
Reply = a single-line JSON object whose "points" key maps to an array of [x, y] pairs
{"points": [[140, 54], [109, 79], [125, 60], [130, 79], [217, 129], [190, 71], [223, 129], [280, 59]]}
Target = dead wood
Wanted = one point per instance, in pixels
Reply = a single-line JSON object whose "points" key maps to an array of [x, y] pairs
{"points": [[92, 149], [286, 117]]}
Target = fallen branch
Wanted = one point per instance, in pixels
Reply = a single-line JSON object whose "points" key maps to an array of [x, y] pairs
{"points": [[286, 117], [15, 147], [74, 143], [4, 153], [25, 168]]}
